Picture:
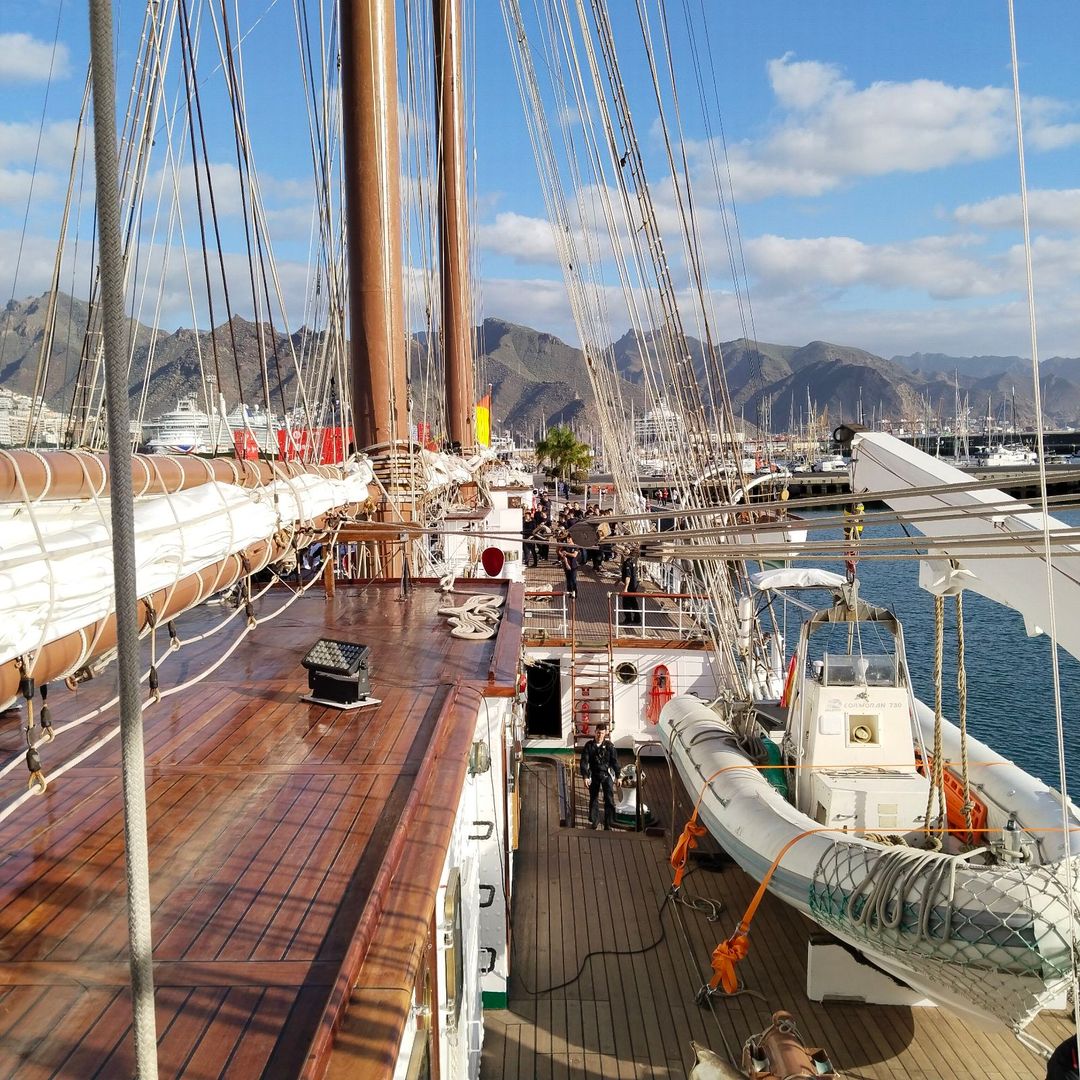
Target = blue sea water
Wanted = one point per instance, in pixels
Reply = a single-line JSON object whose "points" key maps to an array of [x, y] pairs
{"points": [[1010, 684]]}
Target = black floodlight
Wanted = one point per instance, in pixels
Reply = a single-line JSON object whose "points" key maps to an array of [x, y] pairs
{"points": [[338, 674]]}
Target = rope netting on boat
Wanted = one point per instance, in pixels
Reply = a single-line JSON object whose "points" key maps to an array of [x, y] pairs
{"points": [[995, 936]]}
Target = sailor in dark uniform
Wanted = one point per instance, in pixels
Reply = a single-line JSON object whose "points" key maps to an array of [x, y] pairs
{"points": [[600, 766]]}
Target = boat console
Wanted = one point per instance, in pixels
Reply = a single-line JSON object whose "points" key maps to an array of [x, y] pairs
{"points": [[849, 729]]}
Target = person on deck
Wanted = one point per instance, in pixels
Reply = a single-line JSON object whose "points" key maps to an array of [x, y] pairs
{"points": [[1063, 1063], [528, 527], [628, 584], [567, 554], [600, 766], [541, 537]]}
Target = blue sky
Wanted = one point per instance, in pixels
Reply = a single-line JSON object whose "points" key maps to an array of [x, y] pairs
{"points": [[871, 145]]}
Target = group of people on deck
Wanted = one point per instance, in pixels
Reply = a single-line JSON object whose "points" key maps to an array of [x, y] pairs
{"points": [[541, 535]]}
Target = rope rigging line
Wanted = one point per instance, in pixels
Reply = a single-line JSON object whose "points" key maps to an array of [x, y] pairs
{"points": [[1070, 885]]}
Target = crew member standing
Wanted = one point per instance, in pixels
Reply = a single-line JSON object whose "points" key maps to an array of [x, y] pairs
{"points": [[600, 766], [628, 585], [567, 554]]}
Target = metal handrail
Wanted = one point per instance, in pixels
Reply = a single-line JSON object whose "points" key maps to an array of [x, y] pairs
{"points": [[561, 609], [693, 617]]}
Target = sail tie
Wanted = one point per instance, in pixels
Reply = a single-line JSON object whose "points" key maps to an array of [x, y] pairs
{"points": [[151, 625], [33, 760], [45, 718]]}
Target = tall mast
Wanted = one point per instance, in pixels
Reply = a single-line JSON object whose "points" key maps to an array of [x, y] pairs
{"points": [[453, 224], [373, 221]]}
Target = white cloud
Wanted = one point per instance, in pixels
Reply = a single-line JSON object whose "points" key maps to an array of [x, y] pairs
{"points": [[25, 59], [802, 84], [20, 143], [538, 302], [832, 131], [16, 186], [1059, 210], [934, 265], [521, 238]]}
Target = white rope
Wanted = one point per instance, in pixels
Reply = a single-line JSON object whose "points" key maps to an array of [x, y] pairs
{"points": [[113, 277], [475, 619], [248, 628], [1059, 722]]}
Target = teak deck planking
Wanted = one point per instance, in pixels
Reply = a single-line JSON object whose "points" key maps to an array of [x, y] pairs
{"points": [[635, 1016], [268, 821]]}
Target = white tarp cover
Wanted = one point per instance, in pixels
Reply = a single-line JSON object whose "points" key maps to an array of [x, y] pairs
{"points": [[444, 469], [883, 463], [796, 577], [56, 573]]}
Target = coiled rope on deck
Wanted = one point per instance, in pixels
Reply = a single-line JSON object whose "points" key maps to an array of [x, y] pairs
{"points": [[476, 619]]}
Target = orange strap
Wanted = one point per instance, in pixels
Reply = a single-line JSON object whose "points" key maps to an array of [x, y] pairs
{"points": [[687, 842], [724, 958]]}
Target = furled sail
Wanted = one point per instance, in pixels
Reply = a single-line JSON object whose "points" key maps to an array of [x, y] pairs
{"points": [[56, 575]]}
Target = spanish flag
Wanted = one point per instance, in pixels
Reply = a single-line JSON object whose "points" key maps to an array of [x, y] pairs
{"points": [[483, 420]]}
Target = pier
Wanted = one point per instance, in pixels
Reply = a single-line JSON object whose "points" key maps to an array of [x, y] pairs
{"points": [[1021, 482]]}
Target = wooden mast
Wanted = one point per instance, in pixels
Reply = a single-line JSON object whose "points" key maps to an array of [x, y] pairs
{"points": [[373, 221], [453, 225]]}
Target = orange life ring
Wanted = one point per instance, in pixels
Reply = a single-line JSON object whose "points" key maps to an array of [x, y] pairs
{"points": [[660, 693]]}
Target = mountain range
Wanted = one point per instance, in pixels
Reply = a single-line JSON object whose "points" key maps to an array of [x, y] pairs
{"points": [[538, 379]]}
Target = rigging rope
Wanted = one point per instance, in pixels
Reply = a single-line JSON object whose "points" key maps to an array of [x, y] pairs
{"points": [[961, 696], [1070, 885], [937, 766]]}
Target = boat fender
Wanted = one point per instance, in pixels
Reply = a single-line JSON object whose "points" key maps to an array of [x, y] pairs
{"points": [[746, 620]]}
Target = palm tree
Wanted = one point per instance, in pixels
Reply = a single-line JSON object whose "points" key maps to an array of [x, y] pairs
{"points": [[561, 448]]}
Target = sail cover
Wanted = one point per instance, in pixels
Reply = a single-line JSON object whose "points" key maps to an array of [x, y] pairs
{"points": [[796, 577], [881, 463], [56, 573]]}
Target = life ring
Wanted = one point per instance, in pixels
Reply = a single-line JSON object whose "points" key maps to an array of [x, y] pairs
{"points": [[660, 693]]}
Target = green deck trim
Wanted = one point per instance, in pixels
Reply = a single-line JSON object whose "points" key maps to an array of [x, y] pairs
{"points": [[547, 751], [495, 999]]}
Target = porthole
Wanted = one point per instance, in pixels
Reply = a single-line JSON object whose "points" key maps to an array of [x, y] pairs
{"points": [[626, 672]]}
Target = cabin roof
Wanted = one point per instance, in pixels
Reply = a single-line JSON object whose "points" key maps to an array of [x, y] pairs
{"points": [[269, 820]]}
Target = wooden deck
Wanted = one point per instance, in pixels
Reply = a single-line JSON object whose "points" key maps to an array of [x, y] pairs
{"points": [[635, 1016], [269, 819]]}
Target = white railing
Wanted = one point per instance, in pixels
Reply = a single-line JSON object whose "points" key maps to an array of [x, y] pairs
{"points": [[667, 615], [546, 611]]}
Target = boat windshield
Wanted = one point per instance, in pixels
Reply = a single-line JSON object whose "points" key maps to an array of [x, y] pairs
{"points": [[862, 670]]}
